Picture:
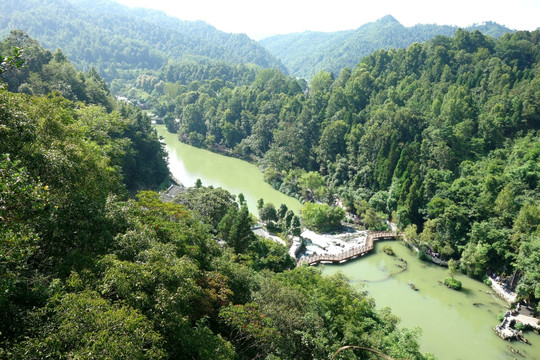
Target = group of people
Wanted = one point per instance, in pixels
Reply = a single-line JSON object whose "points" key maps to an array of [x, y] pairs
{"points": [[431, 253]]}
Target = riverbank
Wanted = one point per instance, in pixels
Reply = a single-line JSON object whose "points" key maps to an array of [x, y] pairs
{"points": [[261, 231], [507, 329], [332, 244], [456, 324], [188, 163], [508, 296]]}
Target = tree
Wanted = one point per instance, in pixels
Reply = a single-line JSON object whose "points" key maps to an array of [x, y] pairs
{"points": [[252, 333], [287, 220], [321, 82], [241, 199], [453, 267], [268, 213], [474, 259], [210, 203], [332, 141], [312, 184], [379, 200], [260, 204], [235, 228], [528, 264], [296, 227], [411, 233], [322, 217], [282, 211], [13, 61], [84, 324]]}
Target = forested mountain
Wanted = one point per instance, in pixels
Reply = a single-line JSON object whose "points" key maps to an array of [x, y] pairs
{"points": [[441, 137], [140, 158], [120, 42], [87, 271], [309, 52]]}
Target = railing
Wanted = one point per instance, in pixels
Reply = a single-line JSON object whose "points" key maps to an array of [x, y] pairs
{"points": [[351, 253]]}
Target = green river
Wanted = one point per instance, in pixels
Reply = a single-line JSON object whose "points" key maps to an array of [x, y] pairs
{"points": [[453, 327], [188, 163]]}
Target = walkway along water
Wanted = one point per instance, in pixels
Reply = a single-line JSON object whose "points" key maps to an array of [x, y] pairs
{"points": [[349, 254], [454, 328], [506, 331]]}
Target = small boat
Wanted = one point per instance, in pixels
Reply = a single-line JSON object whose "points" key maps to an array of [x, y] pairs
{"points": [[413, 286], [514, 351]]}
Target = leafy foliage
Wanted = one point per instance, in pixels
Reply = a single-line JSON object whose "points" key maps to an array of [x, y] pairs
{"points": [[452, 283], [120, 42], [442, 136], [307, 53], [88, 272], [13, 61], [322, 217]]}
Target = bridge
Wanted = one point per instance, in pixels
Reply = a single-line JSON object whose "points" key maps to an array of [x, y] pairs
{"points": [[351, 253]]}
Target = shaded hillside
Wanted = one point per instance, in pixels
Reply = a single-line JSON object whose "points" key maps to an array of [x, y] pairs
{"points": [[120, 42], [441, 137], [309, 52], [88, 273]]}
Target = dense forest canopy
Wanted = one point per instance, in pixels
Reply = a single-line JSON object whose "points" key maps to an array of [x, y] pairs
{"points": [[87, 271], [440, 137], [307, 53], [120, 42]]}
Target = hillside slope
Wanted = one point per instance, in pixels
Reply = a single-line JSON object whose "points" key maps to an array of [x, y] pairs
{"points": [[120, 42], [309, 52]]}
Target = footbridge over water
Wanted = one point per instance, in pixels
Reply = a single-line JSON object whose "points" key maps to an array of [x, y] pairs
{"points": [[351, 253]]}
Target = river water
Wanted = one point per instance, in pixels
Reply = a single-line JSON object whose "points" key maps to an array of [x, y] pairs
{"points": [[453, 327], [188, 163]]}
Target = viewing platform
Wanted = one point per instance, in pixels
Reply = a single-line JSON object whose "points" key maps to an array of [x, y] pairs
{"points": [[350, 254], [506, 331]]}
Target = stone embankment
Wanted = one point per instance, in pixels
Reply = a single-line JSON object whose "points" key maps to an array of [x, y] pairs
{"points": [[433, 259], [508, 296], [506, 330]]}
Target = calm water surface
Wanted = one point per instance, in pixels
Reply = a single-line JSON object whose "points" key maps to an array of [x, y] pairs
{"points": [[188, 163], [453, 328]]}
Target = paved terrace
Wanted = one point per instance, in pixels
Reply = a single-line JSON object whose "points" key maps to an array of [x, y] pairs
{"points": [[349, 254]]}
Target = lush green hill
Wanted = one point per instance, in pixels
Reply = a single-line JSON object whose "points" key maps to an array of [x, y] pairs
{"points": [[120, 42], [306, 53], [88, 272], [441, 137]]}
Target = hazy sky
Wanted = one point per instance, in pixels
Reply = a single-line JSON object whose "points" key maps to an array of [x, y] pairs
{"points": [[260, 19]]}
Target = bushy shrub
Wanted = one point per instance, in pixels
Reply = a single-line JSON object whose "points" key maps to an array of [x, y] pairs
{"points": [[388, 250], [422, 256], [452, 283]]}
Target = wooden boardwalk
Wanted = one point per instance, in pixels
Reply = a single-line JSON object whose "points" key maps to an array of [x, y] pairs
{"points": [[351, 253]]}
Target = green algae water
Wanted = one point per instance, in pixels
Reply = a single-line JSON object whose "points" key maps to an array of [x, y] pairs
{"points": [[455, 324], [188, 163]]}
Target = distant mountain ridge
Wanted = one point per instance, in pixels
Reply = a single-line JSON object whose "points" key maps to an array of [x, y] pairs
{"points": [[118, 40], [307, 53]]}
